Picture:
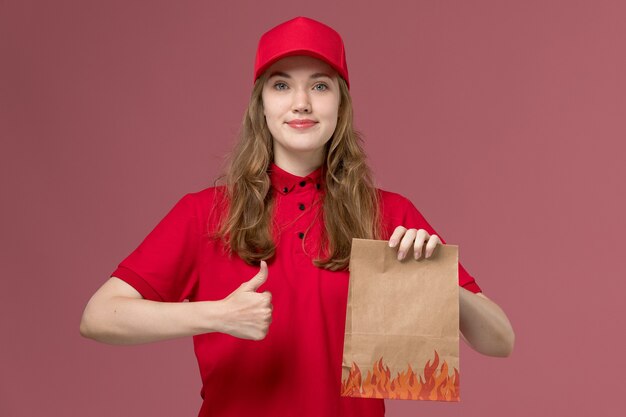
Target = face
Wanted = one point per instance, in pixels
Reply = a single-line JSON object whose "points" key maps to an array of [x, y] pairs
{"points": [[306, 89]]}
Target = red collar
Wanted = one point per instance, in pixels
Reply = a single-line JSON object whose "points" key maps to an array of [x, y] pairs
{"points": [[284, 182]]}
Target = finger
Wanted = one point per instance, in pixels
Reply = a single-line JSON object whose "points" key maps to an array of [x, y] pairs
{"points": [[406, 242], [257, 280], [422, 235], [432, 244], [396, 235]]}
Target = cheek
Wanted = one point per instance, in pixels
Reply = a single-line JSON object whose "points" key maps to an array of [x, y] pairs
{"points": [[268, 104], [273, 109], [333, 111]]}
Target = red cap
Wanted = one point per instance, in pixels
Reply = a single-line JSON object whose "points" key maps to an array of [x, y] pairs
{"points": [[301, 36]]}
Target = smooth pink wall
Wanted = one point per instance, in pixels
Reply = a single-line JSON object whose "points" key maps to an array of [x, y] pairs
{"points": [[503, 121]]}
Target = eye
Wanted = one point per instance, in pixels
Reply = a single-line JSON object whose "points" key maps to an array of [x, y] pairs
{"points": [[323, 85], [279, 84]]}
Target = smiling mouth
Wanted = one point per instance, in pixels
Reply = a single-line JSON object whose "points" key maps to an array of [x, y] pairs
{"points": [[301, 125]]}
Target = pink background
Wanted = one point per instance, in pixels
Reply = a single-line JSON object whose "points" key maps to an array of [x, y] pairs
{"points": [[503, 121]]}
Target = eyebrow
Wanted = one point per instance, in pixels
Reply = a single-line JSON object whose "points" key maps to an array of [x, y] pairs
{"points": [[282, 74]]}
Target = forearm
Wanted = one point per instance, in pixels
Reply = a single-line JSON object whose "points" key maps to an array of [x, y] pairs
{"points": [[484, 325], [129, 321]]}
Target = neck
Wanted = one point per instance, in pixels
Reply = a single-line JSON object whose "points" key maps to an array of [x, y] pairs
{"points": [[300, 165]]}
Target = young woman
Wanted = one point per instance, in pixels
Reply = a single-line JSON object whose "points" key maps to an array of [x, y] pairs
{"points": [[263, 259]]}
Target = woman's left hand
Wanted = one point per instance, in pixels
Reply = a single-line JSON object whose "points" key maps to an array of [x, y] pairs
{"points": [[413, 237]]}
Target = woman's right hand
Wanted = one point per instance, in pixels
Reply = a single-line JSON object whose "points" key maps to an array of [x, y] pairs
{"points": [[248, 313]]}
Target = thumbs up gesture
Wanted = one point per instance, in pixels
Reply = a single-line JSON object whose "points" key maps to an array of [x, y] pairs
{"points": [[249, 313]]}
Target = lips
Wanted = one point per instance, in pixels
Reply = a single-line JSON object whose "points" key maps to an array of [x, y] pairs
{"points": [[301, 123]]}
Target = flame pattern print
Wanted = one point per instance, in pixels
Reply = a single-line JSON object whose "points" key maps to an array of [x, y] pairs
{"points": [[434, 386]]}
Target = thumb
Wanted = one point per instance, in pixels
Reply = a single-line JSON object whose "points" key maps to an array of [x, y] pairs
{"points": [[257, 280]]}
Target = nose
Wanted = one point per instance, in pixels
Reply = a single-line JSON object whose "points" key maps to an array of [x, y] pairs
{"points": [[301, 101]]}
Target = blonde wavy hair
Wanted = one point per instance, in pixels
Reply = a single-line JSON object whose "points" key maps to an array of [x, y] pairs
{"points": [[351, 202]]}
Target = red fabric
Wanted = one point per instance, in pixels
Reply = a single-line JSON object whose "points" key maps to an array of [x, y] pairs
{"points": [[296, 369], [301, 36]]}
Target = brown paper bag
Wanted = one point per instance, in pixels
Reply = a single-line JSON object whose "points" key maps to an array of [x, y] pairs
{"points": [[402, 324]]}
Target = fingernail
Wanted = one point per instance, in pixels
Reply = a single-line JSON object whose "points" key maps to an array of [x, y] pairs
{"points": [[392, 243], [400, 255], [417, 255]]}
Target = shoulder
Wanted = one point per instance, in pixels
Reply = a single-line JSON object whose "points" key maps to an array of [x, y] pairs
{"points": [[396, 209], [393, 202], [203, 203], [206, 196]]}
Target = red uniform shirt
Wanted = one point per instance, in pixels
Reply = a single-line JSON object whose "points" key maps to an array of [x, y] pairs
{"points": [[296, 369]]}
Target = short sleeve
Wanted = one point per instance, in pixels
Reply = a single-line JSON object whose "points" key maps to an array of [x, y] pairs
{"points": [[163, 266], [412, 218]]}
